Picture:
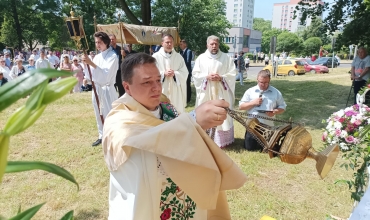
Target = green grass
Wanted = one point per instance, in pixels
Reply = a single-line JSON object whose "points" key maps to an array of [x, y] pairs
{"points": [[63, 135]]}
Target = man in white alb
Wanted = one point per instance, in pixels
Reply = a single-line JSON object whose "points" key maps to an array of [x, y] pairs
{"points": [[103, 70], [174, 73], [214, 78]]}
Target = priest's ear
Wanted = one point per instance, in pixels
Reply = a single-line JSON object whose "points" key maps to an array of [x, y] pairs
{"points": [[126, 86]]}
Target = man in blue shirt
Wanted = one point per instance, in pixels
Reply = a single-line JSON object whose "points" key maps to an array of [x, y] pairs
{"points": [[261, 97]]}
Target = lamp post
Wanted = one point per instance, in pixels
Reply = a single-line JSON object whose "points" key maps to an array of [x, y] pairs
{"points": [[77, 33]]}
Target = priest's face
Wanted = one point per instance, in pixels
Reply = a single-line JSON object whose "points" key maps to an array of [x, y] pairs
{"points": [[167, 43], [146, 86], [213, 46]]}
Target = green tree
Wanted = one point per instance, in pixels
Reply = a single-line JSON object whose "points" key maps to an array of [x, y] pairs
{"points": [[312, 45], [28, 22], [261, 24], [316, 29], [195, 19], [339, 12], [266, 38], [288, 42]]}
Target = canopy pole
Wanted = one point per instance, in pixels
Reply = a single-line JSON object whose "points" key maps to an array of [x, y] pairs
{"points": [[95, 30], [120, 30]]}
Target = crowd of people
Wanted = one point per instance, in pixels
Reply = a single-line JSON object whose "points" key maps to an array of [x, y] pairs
{"points": [[135, 92]]}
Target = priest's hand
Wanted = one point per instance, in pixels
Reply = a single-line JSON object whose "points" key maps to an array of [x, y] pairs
{"points": [[169, 73], [212, 113], [214, 77]]}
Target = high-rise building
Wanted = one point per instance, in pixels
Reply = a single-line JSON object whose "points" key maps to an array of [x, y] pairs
{"points": [[240, 13], [282, 16]]}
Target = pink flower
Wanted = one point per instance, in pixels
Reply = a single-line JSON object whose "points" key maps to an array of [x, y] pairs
{"points": [[358, 122], [337, 132], [350, 139], [324, 136], [350, 113], [341, 120]]}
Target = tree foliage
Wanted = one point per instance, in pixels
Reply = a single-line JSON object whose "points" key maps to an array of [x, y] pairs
{"points": [[261, 24], [266, 38], [288, 42], [351, 15], [196, 19], [312, 45], [316, 29]]}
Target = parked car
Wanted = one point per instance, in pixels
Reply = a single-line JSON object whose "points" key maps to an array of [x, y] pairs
{"points": [[289, 67], [312, 68], [326, 61]]}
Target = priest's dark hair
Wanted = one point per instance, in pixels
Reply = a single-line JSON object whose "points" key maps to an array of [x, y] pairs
{"points": [[104, 37], [128, 65]]}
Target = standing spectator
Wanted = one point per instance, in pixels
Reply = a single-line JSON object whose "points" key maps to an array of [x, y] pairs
{"points": [[6, 50], [66, 64], [360, 70], [236, 60], [65, 53], [119, 52], [20, 57], [54, 60], [78, 73], [17, 69], [313, 57], [187, 54], [91, 55], [254, 56], [4, 69], [34, 55], [8, 61], [103, 70], [31, 64], [240, 67], [266, 60], [174, 73], [214, 78], [322, 52], [42, 62], [246, 61], [128, 51], [261, 97], [57, 53], [3, 80]]}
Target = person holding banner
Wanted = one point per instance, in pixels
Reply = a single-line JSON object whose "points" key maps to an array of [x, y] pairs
{"points": [[174, 73], [103, 70], [214, 78]]}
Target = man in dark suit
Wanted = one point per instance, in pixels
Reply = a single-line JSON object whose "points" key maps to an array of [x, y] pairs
{"points": [[119, 52], [187, 54]]}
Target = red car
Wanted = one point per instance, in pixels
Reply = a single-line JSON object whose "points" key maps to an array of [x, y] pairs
{"points": [[310, 67]]}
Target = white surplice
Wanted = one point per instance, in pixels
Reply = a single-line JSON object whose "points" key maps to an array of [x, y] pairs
{"points": [[133, 142], [175, 91], [207, 90], [104, 77]]}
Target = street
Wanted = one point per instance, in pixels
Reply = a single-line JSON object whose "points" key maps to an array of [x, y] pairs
{"points": [[254, 69]]}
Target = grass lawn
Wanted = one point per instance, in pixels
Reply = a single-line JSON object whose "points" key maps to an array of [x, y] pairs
{"points": [[63, 135]]}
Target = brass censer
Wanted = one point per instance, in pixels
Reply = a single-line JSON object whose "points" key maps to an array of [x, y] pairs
{"points": [[291, 142]]}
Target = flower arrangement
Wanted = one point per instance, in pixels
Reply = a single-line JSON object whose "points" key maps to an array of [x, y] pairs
{"points": [[349, 128], [344, 126]]}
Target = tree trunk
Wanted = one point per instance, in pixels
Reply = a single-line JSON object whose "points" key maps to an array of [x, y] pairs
{"points": [[146, 12], [13, 5], [129, 13]]}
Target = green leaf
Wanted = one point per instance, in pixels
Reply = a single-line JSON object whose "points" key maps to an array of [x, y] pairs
{"points": [[68, 216], [58, 89], [20, 166], [4, 148], [25, 84], [28, 214]]}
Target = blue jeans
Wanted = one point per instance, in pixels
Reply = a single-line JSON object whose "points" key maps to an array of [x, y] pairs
{"points": [[240, 77]]}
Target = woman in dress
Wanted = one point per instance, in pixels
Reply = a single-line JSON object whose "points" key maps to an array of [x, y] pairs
{"points": [[17, 69], [66, 65], [78, 73], [4, 69]]}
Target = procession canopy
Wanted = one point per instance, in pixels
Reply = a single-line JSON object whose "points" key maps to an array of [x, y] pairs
{"points": [[139, 34]]}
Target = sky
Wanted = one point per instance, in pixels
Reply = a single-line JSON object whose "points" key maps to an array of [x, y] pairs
{"points": [[263, 8]]}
